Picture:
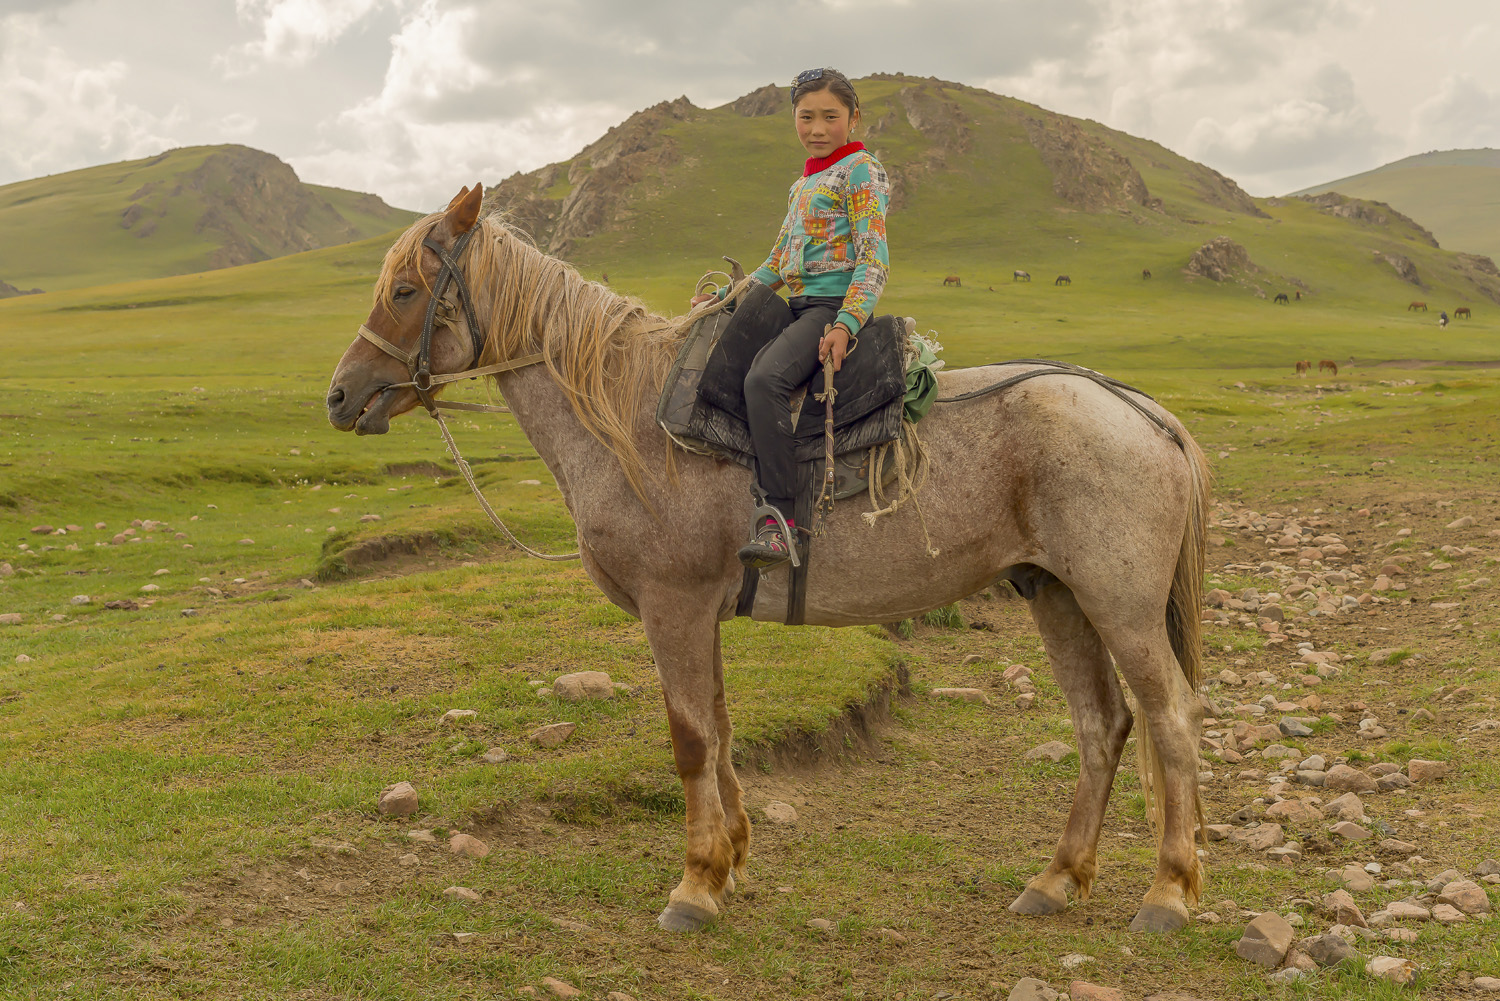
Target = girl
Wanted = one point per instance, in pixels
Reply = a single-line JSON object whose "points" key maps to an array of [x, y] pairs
{"points": [[831, 256]]}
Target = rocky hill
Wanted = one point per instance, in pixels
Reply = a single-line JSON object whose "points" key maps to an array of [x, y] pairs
{"points": [[186, 210]]}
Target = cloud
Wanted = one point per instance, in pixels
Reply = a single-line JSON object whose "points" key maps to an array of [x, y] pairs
{"points": [[58, 111], [1462, 114], [292, 31]]}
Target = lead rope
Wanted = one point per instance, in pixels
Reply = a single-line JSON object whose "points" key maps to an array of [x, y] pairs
{"points": [[823, 507], [463, 467]]}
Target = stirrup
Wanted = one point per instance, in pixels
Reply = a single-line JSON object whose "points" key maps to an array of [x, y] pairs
{"points": [[789, 537]]}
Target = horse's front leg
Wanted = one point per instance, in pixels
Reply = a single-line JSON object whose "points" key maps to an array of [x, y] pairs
{"points": [[736, 820], [684, 641]]}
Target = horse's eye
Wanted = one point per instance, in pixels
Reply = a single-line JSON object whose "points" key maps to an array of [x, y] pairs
{"points": [[404, 292]]}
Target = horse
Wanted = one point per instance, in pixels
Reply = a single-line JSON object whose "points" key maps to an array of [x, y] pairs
{"points": [[1095, 514], [604, 277], [952, 280], [1303, 367], [1281, 298], [1063, 280], [1414, 305], [1145, 273], [1020, 276], [1462, 313], [1330, 366], [1299, 295]]}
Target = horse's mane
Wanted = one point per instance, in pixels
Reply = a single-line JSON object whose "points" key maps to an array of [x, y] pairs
{"points": [[606, 351]]}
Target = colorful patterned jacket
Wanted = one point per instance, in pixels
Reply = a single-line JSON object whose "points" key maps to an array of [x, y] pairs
{"points": [[833, 240]]}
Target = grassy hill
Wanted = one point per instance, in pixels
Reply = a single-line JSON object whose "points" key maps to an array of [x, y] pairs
{"points": [[186, 210], [1455, 193]]}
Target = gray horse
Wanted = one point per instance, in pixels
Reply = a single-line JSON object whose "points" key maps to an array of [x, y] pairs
{"points": [[1054, 484]]}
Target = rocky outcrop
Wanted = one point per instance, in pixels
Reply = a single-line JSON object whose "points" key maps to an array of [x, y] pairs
{"points": [[1086, 171], [7, 290], [1481, 271], [1403, 267], [1223, 192], [1372, 212], [1220, 259], [768, 100]]}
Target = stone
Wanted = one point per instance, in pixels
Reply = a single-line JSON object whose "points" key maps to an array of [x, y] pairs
{"points": [[1346, 807], [1015, 672], [891, 935], [1392, 782], [1447, 914], [1295, 811], [1279, 752], [1293, 728], [618, 996], [1082, 990], [79, 599], [454, 715], [583, 685], [1342, 908], [461, 895], [778, 812], [1465, 522], [823, 925], [1405, 910], [972, 659], [495, 756], [1342, 778], [1349, 831], [974, 695], [399, 800], [1327, 950], [1218, 832], [423, 836], [1053, 750], [1392, 968], [1265, 940], [1259, 839], [1489, 985], [1426, 771], [1395, 847], [1467, 895], [468, 846], [1489, 867], [1032, 989], [1354, 878], [561, 988], [1073, 960], [553, 735]]}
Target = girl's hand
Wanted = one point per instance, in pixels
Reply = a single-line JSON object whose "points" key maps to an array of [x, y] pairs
{"points": [[834, 345], [701, 298]]}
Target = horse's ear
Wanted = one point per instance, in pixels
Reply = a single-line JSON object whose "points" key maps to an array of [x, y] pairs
{"points": [[463, 211], [458, 197]]}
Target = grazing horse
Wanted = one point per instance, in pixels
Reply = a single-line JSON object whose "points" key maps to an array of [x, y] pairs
{"points": [[1299, 296], [1145, 272], [1462, 313], [1303, 367], [1063, 280], [604, 277], [1020, 276], [1330, 366], [1097, 515], [1414, 305], [952, 280], [1281, 298]]}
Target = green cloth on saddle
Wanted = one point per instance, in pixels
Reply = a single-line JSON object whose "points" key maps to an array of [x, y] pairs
{"points": [[921, 377]]}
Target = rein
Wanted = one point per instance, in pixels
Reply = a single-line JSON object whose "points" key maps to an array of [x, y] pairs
{"points": [[423, 382]]}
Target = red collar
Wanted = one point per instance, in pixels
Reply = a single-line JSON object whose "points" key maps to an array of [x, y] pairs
{"points": [[821, 163]]}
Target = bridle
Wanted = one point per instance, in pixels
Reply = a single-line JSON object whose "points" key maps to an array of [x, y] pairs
{"points": [[424, 383], [419, 365]]}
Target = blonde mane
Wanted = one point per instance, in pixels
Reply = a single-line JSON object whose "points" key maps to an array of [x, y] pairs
{"points": [[608, 352]]}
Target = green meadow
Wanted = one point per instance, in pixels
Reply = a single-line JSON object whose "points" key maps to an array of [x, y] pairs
{"points": [[167, 767]]}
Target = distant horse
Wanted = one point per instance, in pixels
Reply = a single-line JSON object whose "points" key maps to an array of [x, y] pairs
{"points": [[992, 288], [1303, 367], [604, 277], [952, 280], [1281, 298], [1462, 313], [1020, 276], [1416, 306], [1330, 366], [1098, 514], [1145, 272], [1063, 280], [1299, 296]]}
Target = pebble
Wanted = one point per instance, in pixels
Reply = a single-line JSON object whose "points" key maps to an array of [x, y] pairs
{"points": [[823, 925], [778, 812], [1327, 949], [423, 836], [1081, 990], [1053, 750], [560, 988], [1265, 940], [1392, 968], [399, 800], [974, 695], [369, 517], [891, 935], [553, 735], [1346, 807], [1032, 989], [1354, 878], [79, 599], [1447, 914], [466, 845], [1426, 771], [495, 756], [583, 685], [1490, 985], [1073, 960], [460, 894], [1342, 778]]}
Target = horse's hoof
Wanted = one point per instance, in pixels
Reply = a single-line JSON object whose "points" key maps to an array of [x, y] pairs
{"points": [[1037, 904], [1155, 918], [684, 917]]}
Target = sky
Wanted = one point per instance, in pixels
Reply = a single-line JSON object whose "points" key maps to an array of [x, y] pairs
{"points": [[412, 98]]}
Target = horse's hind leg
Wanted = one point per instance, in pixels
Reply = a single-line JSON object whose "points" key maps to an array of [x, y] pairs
{"points": [[683, 642], [736, 821], [1101, 721]]}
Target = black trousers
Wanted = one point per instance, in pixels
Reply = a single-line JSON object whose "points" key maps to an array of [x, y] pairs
{"points": [[780, 367]]}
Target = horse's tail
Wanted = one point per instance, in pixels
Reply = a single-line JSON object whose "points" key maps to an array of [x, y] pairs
{"points": [[1185, 633]]}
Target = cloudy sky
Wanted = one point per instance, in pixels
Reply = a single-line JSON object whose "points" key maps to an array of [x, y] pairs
{"points": [[411, 98]]}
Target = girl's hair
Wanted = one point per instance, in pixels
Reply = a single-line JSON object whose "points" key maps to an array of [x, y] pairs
{"points": [[813, 80]]}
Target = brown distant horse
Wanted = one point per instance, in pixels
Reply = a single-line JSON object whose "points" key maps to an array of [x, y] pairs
{"points": [[1063, 280], [1096, 514], [1303, 367], [1145, 272], [952, 280], [604, 277], [1329, 366], [1462, 313], [1414, 305]]}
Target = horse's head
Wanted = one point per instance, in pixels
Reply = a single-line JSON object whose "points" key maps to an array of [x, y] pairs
{"points": [[373, 383]]}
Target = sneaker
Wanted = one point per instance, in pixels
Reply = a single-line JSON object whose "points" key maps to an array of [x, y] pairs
{"points": [[769, 549]]}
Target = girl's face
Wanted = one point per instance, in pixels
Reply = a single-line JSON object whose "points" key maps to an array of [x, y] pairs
{"points": [[823, 123]]}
